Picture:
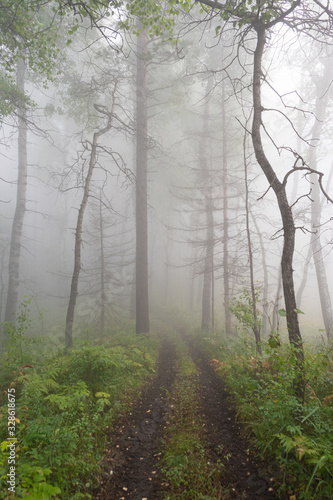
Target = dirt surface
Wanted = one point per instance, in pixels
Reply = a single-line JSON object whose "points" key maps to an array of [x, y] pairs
{"points": [[131, 464], [245, 476]]}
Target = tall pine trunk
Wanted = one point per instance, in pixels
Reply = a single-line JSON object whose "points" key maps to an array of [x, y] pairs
{"points": [[317, 251], [141, 278], [226, 277], [255, 326], [206, 311], [102, 268]]}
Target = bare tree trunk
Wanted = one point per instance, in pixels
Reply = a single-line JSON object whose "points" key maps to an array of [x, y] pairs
{"points": [[141, 280], [265, 272], [102, 268], [206, 316], [304, 277], [255, 327], [275, 315], [318, 257], [286, 215], [78, 231], [213, 296], [16, 235], [302, 286], [226, 277]]}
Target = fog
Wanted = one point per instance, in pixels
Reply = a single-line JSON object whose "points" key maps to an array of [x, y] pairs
{"points": [[199, 113]]}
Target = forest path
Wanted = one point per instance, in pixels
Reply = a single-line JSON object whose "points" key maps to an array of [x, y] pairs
{"points": [[244, 476], [131, 465]]}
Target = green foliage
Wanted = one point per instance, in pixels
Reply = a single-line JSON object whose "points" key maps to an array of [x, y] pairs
{"points": [[297, 436], [156, 18], [185, 465], [242, 308], [65, 406]]}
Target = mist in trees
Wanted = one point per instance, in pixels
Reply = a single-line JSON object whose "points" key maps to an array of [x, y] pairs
{"points": [[173, 163]]}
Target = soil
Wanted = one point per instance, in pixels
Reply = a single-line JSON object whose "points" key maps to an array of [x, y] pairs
{"points": [[131, 465], [244, 475]]}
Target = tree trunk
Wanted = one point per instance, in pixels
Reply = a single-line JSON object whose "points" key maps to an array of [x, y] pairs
{"points": [[16, 235], [275, 315], [226, 277], [317, 252], [102, 268], [265, 273], [255, 327], [78, 234], [206, 316], [286, 215], [141, 279]]}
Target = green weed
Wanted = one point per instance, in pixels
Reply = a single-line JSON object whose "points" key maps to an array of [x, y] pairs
{"points": [[65, 407], [185, 464], [299, 437]]}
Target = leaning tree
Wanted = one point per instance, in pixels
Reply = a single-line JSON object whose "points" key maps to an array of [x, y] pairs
{"points": [[254, 23]]}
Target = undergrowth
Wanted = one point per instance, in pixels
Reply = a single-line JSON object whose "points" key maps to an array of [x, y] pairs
{"points": [[296, 435], [186, 468], [64, 408]]}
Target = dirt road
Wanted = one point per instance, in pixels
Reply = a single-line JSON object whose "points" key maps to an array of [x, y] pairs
{"points": [[131, 462]]}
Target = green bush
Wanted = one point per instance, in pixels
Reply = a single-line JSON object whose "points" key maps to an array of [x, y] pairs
{"points": [[298, 436], [65, 406]]}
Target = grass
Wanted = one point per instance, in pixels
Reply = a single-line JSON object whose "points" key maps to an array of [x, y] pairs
{"points": [[185, 466], [65, 407], [295, 435]]}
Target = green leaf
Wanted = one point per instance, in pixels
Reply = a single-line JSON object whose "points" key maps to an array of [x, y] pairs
{"points": [[282, 312], [102, 395]]}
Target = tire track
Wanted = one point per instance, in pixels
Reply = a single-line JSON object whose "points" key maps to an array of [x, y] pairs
{"points": [[130, 466], [244, 475]]}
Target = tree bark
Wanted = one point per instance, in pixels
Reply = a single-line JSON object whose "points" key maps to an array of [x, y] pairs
{"points": [[206, 311], [226, 277], [141, 278], [102, 268], [294, 333], [317, 249], [255, 327], [16, 235], [265, 273], [78, 234]]}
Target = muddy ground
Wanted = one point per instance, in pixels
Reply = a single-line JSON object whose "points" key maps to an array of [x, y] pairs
{"points": [[131, 463]]}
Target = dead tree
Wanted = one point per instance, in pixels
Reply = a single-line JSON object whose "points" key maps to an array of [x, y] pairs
{"points": [[93, 149]]}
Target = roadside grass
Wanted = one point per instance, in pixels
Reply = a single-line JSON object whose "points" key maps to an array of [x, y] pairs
{"points": [[65, 406], [185, 466], [297, 436]]}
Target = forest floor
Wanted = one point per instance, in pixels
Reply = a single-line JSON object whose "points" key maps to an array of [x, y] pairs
{"points": [[131, 464]]}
